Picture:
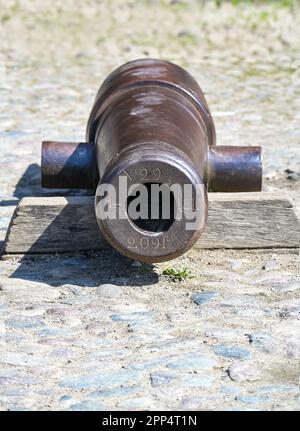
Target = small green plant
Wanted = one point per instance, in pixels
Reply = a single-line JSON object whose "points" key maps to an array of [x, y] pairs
{"points": [[177, 275]]}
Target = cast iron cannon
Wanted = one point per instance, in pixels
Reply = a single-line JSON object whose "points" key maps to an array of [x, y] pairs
{"points": [[151, 127]]}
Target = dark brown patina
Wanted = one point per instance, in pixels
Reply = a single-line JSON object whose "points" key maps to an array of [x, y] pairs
{"points": [[151, 124]]}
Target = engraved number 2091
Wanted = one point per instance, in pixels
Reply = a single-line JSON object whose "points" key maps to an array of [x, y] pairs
{"points": [[145, 242]]}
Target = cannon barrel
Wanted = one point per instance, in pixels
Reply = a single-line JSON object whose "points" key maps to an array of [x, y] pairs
{"points": [[150, 142]]}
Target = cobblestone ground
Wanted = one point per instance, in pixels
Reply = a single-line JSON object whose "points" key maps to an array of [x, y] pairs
{"points": [[97, 331]]}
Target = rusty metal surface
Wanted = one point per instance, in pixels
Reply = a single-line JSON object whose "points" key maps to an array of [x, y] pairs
{"points": [[71, 165], [150, 124], [141, 73], [234, 169]]}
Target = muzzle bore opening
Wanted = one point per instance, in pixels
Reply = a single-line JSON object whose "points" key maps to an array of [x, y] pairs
{"points": [[151, 207]]}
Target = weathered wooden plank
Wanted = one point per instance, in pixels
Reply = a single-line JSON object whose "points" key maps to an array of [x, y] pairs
{"points": [[237, 220]]}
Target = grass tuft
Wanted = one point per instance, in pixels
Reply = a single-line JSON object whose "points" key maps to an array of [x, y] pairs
{"points": [[177, 275]]}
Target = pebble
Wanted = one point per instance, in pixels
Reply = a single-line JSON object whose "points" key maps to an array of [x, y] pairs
{"points": [[232, 352], [132, 317], [14, 392], [58, 311], [290, 313], [65, 398], [55, 332], [252, 399], [76, 290], [293, 348], [116, 392], [239, 302], [293, 176], [78, 300], [11, 376], [108, 291], [229, 390], [100, 379], [271, 278], [201, 297], [87, 405], [12, 337], [22, 359], [241, 371], [109, 353], [192, 362], [254, 313], [198, 381], [24, 322], [191, 403], [277, 388], [284, 287], [160, 378], [55, 341], [270, 265], [226, 335], [236, 264], [61, 353], [140, 403], [262, 340], [146, 364]]}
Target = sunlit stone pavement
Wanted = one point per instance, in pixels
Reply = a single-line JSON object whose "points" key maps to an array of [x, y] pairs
{"points": [[96, 331]]}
